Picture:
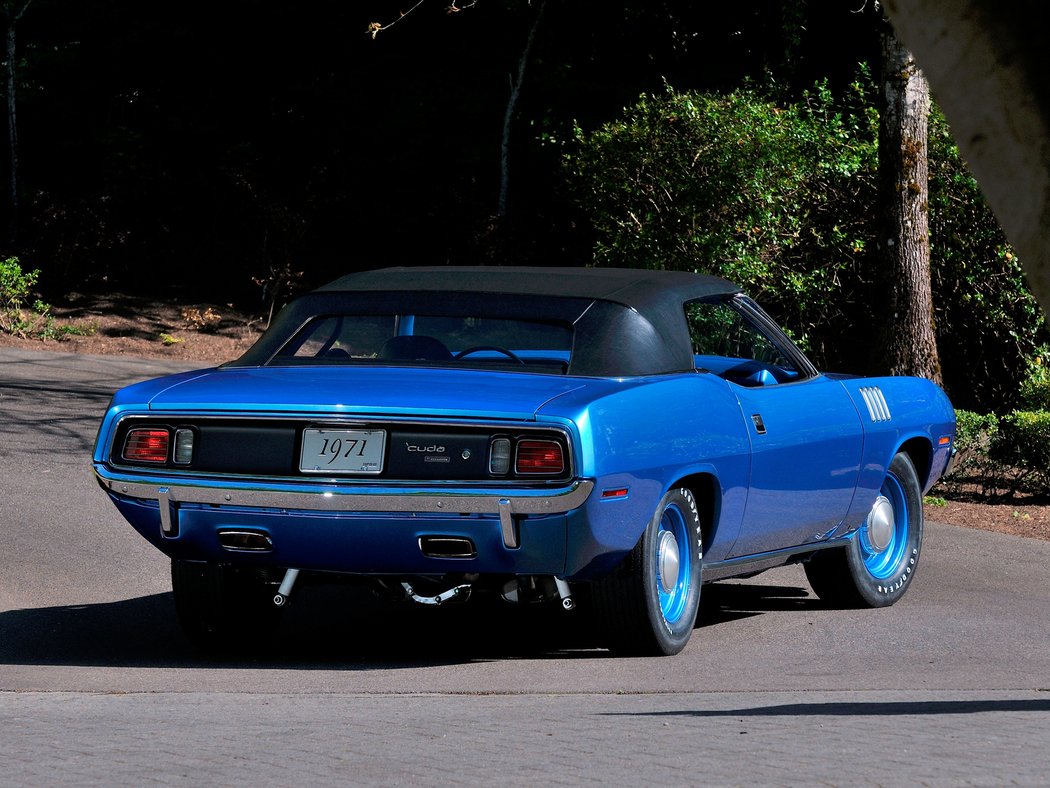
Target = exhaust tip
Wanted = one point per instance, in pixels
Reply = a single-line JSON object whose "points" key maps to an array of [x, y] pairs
{"points": [[447, 547], [245, 541]]}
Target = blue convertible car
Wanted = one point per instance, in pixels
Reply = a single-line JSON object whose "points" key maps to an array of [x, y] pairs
{"points": [[602, 439]]}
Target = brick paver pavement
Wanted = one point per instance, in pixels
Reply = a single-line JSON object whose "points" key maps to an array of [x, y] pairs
{"points": [[874, 738]]}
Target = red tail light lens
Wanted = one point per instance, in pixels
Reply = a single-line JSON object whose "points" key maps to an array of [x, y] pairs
{"points": [[146, 445], [536, 457]]}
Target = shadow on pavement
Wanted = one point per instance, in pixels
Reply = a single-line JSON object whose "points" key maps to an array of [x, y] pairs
{"points": [[861, 709], [347, 627]]}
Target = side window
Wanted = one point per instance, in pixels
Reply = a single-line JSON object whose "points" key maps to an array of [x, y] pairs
{"points": [[728, 343]]}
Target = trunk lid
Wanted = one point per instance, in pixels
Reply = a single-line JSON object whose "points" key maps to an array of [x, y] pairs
{"points": [[365, 390]]}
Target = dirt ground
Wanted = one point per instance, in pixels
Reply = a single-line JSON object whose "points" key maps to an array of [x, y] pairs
{"points": [[126, 325], [213, 333], [1019, 519]]}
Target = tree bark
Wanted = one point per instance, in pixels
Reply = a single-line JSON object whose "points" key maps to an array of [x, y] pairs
{"points": [[11, 16], [911, 343], [508, 116], [12, 134]]}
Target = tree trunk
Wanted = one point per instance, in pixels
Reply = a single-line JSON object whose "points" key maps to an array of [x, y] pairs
{"points": [[11, 16], [911, 343], [508, 116], [12, 133]]}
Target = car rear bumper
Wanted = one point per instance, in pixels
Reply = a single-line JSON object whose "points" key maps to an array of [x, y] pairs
{"points": [[329, 528]]}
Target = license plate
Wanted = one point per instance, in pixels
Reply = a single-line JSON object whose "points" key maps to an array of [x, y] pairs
{"points": [[342, 451]]}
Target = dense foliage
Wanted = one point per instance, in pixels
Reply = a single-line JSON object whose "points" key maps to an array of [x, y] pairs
{"points": [[779, 196], [738, 185]]}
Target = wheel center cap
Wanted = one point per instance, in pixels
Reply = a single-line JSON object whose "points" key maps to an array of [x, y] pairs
{"points": [[881, 524], [667, 561]]}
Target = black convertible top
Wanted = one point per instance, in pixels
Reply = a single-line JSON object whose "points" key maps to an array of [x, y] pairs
{"points": [[627, 321], [640, 289]]}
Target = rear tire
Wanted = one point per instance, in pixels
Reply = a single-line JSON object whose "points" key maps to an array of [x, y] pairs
{"points": [[647, 606], [222, 608], [876, 568]]}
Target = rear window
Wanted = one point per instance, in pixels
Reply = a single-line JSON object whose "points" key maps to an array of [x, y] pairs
{"points": [[431, 340]]}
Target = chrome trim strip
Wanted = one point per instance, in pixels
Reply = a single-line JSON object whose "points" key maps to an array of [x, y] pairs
{"points": [[341, 421], [328, 499], [730, 567], [774, 332]]}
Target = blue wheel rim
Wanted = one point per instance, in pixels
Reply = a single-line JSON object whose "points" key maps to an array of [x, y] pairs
{"points": [[881, 564], [673, 602]]}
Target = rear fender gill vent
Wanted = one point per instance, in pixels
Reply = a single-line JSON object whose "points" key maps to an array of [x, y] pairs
{"points": [[878, 408]]}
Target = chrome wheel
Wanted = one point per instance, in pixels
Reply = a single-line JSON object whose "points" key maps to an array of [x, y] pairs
{"points": [[884, 538], [648, 604], [673, 566]]}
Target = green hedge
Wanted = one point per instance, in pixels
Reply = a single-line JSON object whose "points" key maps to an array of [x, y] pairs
{"points": [[1023, 444], [1002, 455]]}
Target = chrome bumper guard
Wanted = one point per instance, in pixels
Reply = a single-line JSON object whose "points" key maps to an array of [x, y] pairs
{"points": [[336, 500], [953, 457]]}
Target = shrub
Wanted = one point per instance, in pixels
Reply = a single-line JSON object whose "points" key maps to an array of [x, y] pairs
{"points": [[974, 432], [975, 473], [16, 287], [736, 185], [1022, 443]]}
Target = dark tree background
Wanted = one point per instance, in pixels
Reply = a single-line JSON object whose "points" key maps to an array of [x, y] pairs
{"points": [[200, 146]]}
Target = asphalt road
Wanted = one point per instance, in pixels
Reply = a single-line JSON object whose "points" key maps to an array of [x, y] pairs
{"points": [[950, 686]]}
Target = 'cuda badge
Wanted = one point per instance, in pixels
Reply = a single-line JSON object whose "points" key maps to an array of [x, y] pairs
{"points": [[425, 449]]}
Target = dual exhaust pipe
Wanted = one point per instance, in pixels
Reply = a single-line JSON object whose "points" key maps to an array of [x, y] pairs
{"points": [[245, 541]]}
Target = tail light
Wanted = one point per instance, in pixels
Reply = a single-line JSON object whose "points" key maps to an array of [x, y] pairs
{"points": [[184, 441], [499, 457], [147, 444], [539, 457]]}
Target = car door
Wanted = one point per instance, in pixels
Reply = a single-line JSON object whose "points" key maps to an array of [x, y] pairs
{"points": [[805, 432]]}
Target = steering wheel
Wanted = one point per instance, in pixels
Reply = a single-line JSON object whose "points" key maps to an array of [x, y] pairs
{"points": [[477, 348]]}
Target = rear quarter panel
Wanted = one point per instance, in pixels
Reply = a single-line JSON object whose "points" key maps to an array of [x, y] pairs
{"points": [[135, 398], [645, 435]]}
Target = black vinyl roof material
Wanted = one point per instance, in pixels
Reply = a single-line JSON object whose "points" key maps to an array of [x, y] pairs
{"points": [[627, 322], [633, 287]]}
